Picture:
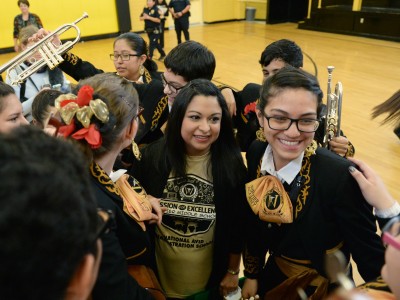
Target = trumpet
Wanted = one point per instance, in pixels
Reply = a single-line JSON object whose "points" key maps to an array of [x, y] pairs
{"points": [[333, 110], [50, 54]]}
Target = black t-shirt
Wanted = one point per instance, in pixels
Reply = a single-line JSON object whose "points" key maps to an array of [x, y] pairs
{"points": [[178, 5]]}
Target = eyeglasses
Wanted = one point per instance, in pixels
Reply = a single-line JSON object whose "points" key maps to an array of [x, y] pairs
{"points": [[124, 56], [172, 88], [284, 123], [391, 232]]}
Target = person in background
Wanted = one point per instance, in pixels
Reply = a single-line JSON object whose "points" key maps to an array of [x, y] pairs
{"points": [[180, 11], [163, 11], [274, 57], [298, 210], [105, 121], [151, 18], [198, 172], [44, 78], [49, 220], [391, 107], [11, 115], [24, 19]]}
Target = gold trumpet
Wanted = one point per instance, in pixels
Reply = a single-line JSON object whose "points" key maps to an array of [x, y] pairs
{"points": [[333, 110], [50, 54]]}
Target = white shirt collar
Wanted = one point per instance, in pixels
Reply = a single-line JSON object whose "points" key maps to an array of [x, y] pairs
{"points": [[287, 173]]}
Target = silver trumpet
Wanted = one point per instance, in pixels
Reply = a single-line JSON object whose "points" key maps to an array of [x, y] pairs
{"points": [[50, 53], [333, 110]]}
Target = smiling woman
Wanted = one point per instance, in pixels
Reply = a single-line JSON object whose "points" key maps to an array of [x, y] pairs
{"points": [[198, 171], [321, 208]]}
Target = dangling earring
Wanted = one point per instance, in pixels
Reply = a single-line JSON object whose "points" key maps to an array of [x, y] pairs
{"points": [[260, 135], [310, 149], [136, 151], [141, 70]]}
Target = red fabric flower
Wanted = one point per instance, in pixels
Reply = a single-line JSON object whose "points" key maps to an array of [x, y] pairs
{"points": [[85, 94], [67, 129], [251, 107], [91, 135]]}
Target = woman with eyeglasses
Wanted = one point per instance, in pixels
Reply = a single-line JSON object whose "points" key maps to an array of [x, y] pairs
{"points": [[302, 201], [103, 119], [198, 172]]}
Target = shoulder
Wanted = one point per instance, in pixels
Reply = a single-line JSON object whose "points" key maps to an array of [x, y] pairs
{"points": [[334, 160]]}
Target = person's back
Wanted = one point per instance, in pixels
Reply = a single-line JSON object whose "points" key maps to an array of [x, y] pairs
{"points": [[48, 220]]}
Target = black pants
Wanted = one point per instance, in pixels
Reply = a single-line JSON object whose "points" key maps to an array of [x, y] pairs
{"points": [[154, 43], [182, 24]]}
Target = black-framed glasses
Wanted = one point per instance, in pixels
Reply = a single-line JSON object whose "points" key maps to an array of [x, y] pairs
{"points": [[124, 56], [391, 232], [172, 88], [283, 123]]}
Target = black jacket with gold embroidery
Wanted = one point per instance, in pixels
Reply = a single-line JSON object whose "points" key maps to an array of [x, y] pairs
{"points": [[329, 213], [151, 96], [126, 243]]}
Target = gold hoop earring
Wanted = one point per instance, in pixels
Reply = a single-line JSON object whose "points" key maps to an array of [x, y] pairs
{"points": [[136, 151], [141, 70], [260, 135]]}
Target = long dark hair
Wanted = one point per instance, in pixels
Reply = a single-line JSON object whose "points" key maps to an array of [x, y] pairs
{"points": [[226, 159], [392, 107]]}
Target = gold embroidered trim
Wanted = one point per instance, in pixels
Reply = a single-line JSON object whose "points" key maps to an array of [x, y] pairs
{"points": [[147, 76], [305, 172], [103, 178], [161, 105]]}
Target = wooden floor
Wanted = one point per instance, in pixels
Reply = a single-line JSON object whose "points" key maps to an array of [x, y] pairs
{"points": [[369, 70]]}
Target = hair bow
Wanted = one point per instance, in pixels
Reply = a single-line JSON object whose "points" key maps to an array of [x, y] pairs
{"points": [[83, 107]]}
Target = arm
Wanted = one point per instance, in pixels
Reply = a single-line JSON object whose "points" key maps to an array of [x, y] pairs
{"points": [[354, 218], [230, 100], [375, 191], [230, 282]]}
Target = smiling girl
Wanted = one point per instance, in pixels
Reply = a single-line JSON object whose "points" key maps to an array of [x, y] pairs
{"points": [[198, 171], [304, 202]]}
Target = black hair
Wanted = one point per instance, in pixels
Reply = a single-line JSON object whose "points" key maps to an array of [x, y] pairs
{"points": [[48, 218], [41, 103], [391, 107], [290, 78], [225, 154], [138, 44], [5, 90], [191, 60], [286, 50]]}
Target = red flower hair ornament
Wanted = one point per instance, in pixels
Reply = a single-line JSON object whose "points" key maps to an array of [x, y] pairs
{"points": [[250, 108], [82, 107]]}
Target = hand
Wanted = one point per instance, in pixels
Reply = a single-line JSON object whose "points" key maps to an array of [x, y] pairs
{"points": [[371, 185], [228, 284], [145, 16], [230, 100], [176, 15], [339, 145], [157, 210], [16, 48], [41, 34], [250, 288]]}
